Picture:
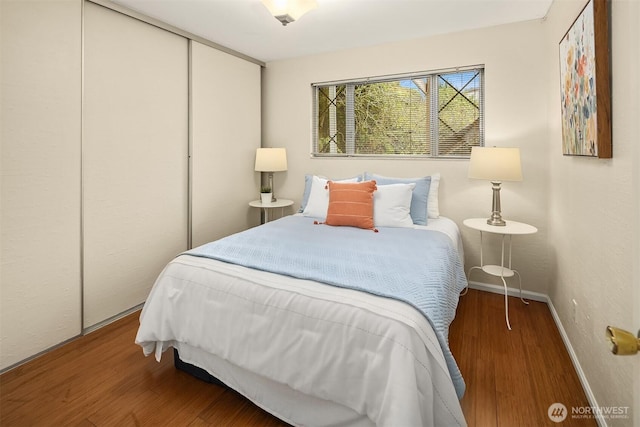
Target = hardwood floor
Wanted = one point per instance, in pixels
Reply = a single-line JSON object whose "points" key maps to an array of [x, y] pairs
{"points": [[513, 376], [103, 379]]}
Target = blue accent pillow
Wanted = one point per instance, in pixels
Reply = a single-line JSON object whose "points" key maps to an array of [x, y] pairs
{"points": [[308, 180], [419, 198]]}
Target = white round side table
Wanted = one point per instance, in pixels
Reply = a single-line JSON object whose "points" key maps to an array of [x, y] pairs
{"points": [[280, 203], [512, 228]]}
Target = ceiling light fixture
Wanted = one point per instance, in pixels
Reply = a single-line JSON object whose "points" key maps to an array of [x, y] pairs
{"points": [[287, 11]]}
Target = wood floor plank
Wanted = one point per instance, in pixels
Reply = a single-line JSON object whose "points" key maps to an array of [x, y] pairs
{"points": [[103, 379], [531, 366]]}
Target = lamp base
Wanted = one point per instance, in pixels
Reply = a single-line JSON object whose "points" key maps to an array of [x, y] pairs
{"points": [[499, 222], [273, 193], [496, 217]]}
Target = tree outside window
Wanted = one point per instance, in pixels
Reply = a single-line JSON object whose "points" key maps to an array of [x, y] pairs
{"points": [[431, 115]]}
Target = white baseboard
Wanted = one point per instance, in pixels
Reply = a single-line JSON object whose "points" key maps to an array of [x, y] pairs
{"points": [[495, 289], [536, 296], [576, 364]]}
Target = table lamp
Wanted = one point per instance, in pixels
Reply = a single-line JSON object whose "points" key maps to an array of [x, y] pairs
{"points": [[495, 164], [271, 160]]}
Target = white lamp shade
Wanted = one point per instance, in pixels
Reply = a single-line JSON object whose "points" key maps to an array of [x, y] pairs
{"points": [[271, 160], [495, 164], [293, 8]]}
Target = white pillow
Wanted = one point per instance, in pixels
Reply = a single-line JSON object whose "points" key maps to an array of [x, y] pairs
{"points": [[308, 180], [318, 202], [430, 199], [392, 205], [432, 202]]}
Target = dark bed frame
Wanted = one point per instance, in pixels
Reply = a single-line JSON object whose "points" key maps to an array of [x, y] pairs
{"points": [[197, 372]]}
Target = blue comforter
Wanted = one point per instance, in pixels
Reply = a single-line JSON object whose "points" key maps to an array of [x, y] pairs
{"points": [[419, 267]]}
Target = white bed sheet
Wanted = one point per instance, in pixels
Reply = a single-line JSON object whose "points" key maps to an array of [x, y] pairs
{"points": [[309, 353]]}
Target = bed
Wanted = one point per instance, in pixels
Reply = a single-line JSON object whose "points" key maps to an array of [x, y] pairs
{"points": [[269, 313]]}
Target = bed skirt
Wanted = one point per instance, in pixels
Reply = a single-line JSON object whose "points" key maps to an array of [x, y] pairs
{"points": [[195, 371], [283, 402]]}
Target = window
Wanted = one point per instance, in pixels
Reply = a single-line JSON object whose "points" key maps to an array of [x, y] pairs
{"points": [[436, 114]]}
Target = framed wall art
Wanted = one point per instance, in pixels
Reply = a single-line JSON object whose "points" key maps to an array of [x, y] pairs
{"points": [[585, 80]]}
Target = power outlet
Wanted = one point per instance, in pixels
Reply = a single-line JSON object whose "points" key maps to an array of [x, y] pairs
{"points": [[574, 311]]}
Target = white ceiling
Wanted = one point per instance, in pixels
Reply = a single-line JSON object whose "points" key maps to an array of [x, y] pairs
{"points": [[247, 27]]}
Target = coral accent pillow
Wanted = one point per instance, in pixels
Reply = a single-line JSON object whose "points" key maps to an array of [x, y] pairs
{"points": [[317, 201], [351, 204]]}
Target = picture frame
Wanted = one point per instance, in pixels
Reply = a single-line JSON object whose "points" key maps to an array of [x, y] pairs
{"points": [[585, 83]]}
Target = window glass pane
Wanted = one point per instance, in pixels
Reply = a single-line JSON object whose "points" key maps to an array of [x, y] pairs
{"points": [[429, 115], [392, 117], [459, 104], [331, 122]]}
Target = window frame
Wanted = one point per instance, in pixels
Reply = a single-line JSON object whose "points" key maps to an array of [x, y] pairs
{"points": [[433, 75]]}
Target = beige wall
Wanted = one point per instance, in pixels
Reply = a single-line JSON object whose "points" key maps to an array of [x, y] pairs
{"points": [[593, 214], [515, 116]]}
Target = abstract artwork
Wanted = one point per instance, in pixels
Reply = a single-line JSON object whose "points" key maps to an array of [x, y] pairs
{"points": [[585, 83]]}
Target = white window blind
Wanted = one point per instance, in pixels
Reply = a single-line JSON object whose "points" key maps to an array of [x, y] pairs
{"points": [[438, 114]]}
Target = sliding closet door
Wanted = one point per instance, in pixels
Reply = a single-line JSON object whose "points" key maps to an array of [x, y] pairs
{"points": [[40, 173], [225, 104], [135, 165]]}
